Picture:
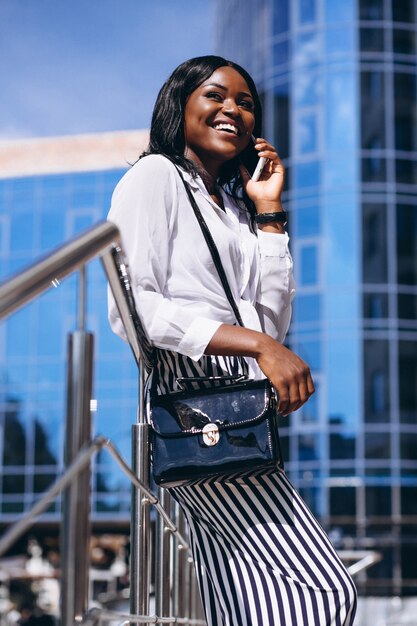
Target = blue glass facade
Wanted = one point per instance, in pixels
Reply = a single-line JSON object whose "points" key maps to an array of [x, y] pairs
{"points": [[38, 213], [338, 82]]}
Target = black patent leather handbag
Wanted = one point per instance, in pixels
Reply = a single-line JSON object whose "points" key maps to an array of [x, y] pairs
{"points": [[230, 427]]}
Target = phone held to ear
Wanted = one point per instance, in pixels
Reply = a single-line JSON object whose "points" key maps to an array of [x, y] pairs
{"points": [[261, 164]]}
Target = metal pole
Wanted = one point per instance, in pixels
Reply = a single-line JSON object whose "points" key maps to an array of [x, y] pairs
{"points": [[76, 525], [183, 571], [163, 559], [140, 531]]}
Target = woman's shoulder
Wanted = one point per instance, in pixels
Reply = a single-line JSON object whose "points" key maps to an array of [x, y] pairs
{"points": [[154, 163]]}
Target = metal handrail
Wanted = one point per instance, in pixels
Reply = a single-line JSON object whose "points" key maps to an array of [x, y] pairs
{"points": [[79, 463], [99, 240]]}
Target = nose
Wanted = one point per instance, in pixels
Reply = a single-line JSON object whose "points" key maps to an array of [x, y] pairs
{"points": [[230, 107]]}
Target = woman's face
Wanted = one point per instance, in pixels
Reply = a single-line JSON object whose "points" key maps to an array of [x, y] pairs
{"points": [[219, 119]]}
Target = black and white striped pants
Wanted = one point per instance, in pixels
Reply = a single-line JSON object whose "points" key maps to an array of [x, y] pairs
{"points": [[261, 557]]}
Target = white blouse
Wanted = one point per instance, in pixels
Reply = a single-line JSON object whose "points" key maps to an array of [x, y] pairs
{"points": [[177, 291]]}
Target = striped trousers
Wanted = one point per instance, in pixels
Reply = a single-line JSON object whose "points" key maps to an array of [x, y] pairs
{"points": [[261, 557]]}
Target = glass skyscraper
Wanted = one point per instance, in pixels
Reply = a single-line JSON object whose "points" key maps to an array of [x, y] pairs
{"points": [[50, 190], [339, 86]]}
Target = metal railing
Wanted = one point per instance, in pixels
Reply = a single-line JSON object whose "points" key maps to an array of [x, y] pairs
{"points": [[175, 588]]}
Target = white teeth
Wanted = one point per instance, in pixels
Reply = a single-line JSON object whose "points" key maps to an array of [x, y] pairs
{"points": [[234, 129]]}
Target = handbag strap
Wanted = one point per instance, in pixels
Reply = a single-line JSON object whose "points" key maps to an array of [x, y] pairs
{"points": [[213, 250]]}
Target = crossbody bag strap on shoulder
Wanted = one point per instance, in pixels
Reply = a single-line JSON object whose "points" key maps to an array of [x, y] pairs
{"points": [[213, 250]]}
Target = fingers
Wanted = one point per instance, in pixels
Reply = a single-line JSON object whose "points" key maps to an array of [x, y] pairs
{"points": [[294, 390]]}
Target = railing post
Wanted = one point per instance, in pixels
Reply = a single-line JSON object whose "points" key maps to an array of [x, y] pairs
{"points": [[76, 526], [140, 530], [163, 558]]}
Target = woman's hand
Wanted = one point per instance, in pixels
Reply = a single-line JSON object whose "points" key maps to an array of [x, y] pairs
{"points": [[288, 373], [265, 192]]}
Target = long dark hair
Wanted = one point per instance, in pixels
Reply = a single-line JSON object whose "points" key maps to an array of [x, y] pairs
{"points": [[167, 126]]}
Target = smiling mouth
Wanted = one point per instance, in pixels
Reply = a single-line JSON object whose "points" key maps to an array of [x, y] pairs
{"points": [[229, 128]]}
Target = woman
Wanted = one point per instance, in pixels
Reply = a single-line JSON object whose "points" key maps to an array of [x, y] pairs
{"points": [[261, 557]]}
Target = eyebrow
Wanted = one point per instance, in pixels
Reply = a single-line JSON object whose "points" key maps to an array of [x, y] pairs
{"points": [[219, 86]]}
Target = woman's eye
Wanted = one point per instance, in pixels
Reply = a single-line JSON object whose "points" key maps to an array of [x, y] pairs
{"points": [[214, 96], [247, 104]]}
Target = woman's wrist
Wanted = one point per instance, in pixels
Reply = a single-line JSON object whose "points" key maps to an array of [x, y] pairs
{"points": [[269, 207]]}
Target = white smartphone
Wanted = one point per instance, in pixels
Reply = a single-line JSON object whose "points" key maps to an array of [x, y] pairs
{"points": [[261, 164]]}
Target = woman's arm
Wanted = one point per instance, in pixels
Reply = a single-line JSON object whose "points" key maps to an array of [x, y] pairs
{"points": [[287, 372]]}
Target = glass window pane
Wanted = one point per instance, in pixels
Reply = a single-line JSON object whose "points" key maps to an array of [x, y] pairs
{"points": [[403, 11], [309, 265], [372, 110], [282, 120], [378, 500], [341, 446], [404, 41], [342, 501], [281, 16], [307, 175], [371, 9], [408, 383], [308, 220], [307, 308], [376, 384], [307, 133], [377, 445], [374, 169], [307, 11], [405, 104], [409, 501], [372, 39], [406, 171], [407, 244], [375, 305], [407, 307], [374, 242]]}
